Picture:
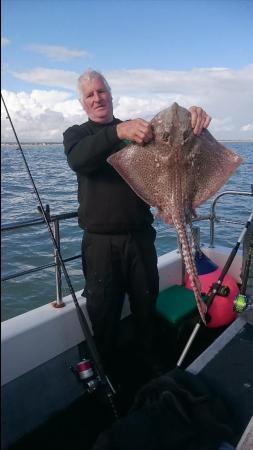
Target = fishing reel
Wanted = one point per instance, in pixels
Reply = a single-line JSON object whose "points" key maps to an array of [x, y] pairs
{"points": [[222, 290], [242, 302], [85, 374]]}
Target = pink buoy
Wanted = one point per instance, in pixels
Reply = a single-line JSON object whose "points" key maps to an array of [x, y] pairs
{"points": [[221, 310]]}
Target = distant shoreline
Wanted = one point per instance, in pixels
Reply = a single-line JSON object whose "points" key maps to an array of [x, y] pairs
{"points": [[60, 143], [31, 143], [235, 140]]}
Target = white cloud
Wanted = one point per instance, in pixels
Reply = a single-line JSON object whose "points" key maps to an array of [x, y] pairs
{"points": [[39, 115], [195, 81], [49, 77], [4, 41], [58, 53], [227, 95], [223, 124], [248, 127]]}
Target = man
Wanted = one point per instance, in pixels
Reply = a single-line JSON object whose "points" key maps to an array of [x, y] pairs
{"points": [[118, 251]]}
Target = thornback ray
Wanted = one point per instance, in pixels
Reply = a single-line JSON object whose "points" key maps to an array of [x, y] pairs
{"points": [[175, 173]]}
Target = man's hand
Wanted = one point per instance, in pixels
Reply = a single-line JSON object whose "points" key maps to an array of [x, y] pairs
{"points": [[199, 119], [137, 130]]}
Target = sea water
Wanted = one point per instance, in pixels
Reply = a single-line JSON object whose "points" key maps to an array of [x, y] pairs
{"points": [[30, 247]]}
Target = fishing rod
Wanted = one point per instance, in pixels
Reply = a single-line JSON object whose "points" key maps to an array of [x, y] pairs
{"points": [[215, 290], [109, 390], [242, 300]]}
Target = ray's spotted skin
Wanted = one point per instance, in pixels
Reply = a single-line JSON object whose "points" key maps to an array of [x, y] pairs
{"points": [[176, 172]]}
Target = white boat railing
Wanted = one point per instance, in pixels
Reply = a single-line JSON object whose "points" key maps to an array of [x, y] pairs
{"points": [[55, 223], [213, 216]]}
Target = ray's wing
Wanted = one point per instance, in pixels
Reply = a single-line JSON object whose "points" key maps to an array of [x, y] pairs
{"points": [[144, 171], [213, 164]]}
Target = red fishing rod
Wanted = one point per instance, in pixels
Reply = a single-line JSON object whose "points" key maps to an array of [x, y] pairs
{"points": [[215, 289], [93, 352]]}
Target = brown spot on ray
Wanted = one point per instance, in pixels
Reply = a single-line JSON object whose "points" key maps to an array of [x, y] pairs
{"points": [[176, 172]]}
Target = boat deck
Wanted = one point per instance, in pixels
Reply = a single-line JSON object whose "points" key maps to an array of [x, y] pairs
{"points": [[227, 364]]}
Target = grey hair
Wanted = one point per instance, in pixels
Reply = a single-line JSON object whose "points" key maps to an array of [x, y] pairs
{"points": [[88, 76]]}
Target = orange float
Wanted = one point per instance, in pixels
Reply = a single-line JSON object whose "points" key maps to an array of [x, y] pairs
{"points": [[221, 311]]}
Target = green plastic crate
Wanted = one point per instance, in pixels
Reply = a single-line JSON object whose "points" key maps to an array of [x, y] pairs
{"points": [[176, 303]]}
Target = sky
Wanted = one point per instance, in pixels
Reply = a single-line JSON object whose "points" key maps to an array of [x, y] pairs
{"points": [[194, 52]]}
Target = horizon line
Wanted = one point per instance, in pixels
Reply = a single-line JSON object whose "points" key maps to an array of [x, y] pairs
{"points": [[60, 142]]}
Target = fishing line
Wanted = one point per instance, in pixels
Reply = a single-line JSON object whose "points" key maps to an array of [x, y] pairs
{"points": [[109, 390], [215, 289]]}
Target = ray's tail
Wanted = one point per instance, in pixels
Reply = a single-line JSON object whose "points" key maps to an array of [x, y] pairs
{"points": [[190, 265]]}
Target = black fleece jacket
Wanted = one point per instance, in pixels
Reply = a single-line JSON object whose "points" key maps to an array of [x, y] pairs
{"points": [[106, 203]]}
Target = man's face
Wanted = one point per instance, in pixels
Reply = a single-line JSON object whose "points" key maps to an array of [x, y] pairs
{"points": [[97, 101]]}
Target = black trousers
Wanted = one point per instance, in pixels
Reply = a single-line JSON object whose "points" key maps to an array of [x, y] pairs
{"points": [[114, 265]]}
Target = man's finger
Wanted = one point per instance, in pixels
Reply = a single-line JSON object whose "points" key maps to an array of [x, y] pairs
{"points": [[207, 121], [202, 122], [194, 116], [198, 126]]}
